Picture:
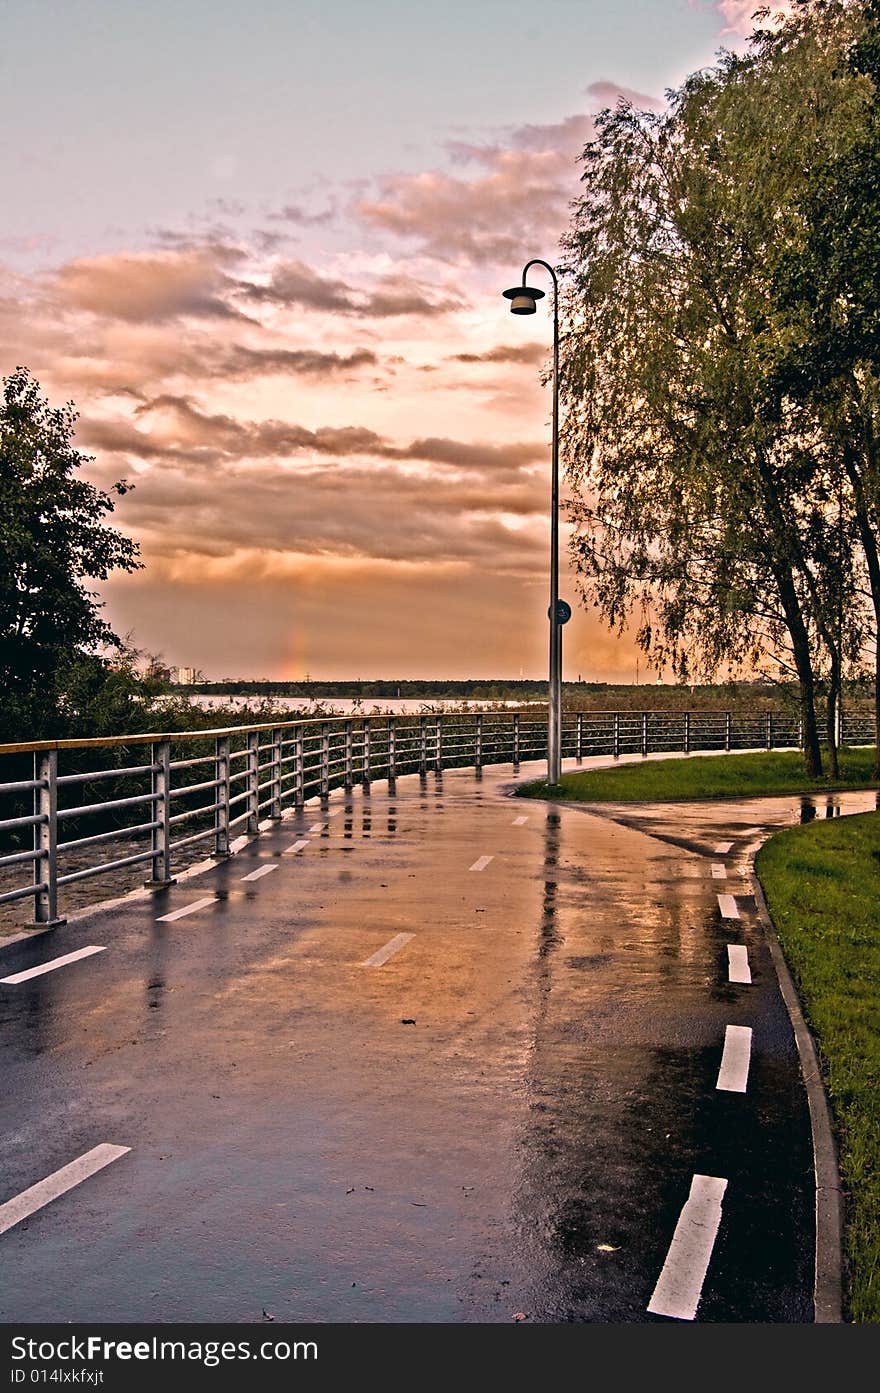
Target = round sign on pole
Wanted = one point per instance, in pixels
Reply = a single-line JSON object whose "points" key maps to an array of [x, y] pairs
{"points": [[563, 612]]}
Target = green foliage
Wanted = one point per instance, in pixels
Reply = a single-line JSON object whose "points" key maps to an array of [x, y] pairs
{"points": [[830, 277], [714, 503], [53, 540]]}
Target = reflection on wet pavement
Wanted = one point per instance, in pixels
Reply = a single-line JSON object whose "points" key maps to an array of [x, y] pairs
{"points": [[505, 1116]]}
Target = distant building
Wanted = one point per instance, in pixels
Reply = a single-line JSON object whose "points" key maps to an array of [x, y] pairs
{"points": [[185, 676], [156, 671]]}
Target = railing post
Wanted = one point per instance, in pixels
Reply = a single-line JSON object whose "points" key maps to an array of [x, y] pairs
{"points": [[392, 749], [687, 732], [253, 783], [365, 772], [727, 730], [161, 838], [644, 732], [423, 744], [325, 759], [769, 730], [349, 755], [275, 787], [800, 732], [221, 811], [616, 734], [46, 837], [579, 749], [516, 738], [478, 743], [299, 768], [438, 759]]}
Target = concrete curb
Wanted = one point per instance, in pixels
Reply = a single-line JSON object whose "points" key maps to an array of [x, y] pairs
{"points": [[828, 1281]]}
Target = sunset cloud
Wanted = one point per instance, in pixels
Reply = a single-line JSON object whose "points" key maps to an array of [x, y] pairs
{"points": [[268, 274], [295, 285], [530, 353], [518, 195], [171, 427], [296, 425], [151, 289], [346, 511], [608, 94]]}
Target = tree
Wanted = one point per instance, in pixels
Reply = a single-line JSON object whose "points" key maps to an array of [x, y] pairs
{"points": [[706, 497], [53, 540], [830, 285]]}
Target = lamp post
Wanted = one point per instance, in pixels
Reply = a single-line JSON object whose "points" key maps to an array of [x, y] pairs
{"points": [[524, 300]]}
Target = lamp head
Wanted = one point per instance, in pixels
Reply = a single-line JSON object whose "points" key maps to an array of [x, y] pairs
{"points": [[523, 298]]}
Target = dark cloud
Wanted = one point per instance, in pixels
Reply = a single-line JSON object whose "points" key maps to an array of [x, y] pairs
{"points": [[241, 361], [351, 510], [466, 454], [152, 289], [293, 284], [173, 427], [303, 217], [531, 353]]}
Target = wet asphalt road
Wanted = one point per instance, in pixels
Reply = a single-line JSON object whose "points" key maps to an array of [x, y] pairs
{"points": [[525, 1145]]}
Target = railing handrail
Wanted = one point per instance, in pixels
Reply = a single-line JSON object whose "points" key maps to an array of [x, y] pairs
{"points": [[255, 771], [155, 737]]}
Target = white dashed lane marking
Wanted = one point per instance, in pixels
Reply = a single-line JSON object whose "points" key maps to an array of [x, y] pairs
{"points": [[318, 827], [719, 872], [482, 863], [393, 946], [738, 969], [58, 1183], [261, 871], [187, 909], [722, 848], [680, 1284], [50, 966], [733, 1076], [519, 821], [728, 906], [297, 846]]}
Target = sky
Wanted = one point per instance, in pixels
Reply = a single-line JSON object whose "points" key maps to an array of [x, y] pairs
{"points": [[261, 246]]}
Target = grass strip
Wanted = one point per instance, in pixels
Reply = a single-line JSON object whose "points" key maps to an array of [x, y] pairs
{"points": [[713, 776], [822, 884]]}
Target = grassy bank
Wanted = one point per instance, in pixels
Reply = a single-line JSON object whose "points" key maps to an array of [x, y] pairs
{"points": [[822, 884], [715, 776]]}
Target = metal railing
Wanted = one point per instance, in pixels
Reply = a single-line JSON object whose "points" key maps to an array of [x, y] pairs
{"points": [[203, 786]]}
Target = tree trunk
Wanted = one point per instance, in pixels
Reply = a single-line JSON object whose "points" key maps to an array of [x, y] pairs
{"points": [[803, 662], [876, 769], [872, 561], [831, 715], [854, 465], [812, 747], [781, 568]]}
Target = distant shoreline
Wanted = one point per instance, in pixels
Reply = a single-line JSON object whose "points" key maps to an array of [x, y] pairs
{"points": [[436, 689]]}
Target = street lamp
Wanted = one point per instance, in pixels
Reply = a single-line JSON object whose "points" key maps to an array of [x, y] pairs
{"points": [[524, 300]]}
